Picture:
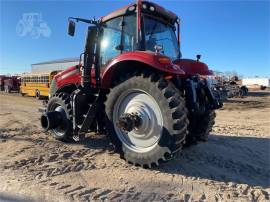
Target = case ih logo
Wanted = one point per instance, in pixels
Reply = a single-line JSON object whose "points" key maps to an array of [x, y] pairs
{"points": [[32, 24]]}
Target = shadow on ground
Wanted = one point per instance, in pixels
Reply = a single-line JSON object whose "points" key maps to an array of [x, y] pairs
{"points": [[11, 198], [227, 159], [259, 94], [243, 104], [223, 158]]}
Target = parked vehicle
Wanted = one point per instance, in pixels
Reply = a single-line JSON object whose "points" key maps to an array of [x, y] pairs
{"points": [[12, 84], [37, 85], [2, 78], [230, 87], [134, 84]]}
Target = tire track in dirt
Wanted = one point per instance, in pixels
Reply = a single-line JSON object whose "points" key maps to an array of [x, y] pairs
{"points": [[57, 163], [59, 160], [82, 193], [230, 167], [225, 167]]}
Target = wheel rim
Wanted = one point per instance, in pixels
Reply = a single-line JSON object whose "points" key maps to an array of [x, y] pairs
{"points": [[60, 130], [148, 134]]}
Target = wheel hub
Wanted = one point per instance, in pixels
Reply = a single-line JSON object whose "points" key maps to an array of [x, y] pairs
{"points": [[138, 121], [62, 127], [128, 122]]}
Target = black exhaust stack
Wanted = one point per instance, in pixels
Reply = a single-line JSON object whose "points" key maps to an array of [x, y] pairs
{"points": [[89, 56]]}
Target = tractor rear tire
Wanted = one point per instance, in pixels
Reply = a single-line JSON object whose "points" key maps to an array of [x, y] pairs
{"points": [[164, 124], [200, 126], [62, 102]]}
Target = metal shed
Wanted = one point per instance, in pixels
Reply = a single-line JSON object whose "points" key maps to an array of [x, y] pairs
{"points": [[52, 65]]}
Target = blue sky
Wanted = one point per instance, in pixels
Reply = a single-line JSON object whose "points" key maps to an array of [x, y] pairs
{"points": [[230, 35]]}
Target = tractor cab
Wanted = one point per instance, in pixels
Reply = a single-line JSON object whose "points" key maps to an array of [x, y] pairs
{"points": [[139, 27], [143, 26]]}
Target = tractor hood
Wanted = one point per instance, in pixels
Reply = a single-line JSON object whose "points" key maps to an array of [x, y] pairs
{"points": [[193, 67], [69, 76]]}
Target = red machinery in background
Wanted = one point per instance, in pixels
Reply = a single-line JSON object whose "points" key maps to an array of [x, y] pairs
{"points": [[10, 83], [2, 78]]}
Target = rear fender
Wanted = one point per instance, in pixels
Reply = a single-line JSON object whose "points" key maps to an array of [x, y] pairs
{"points": [[130, 61]]}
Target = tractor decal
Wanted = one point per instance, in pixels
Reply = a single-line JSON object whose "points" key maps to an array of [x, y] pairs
{"points": [[32, 24]]}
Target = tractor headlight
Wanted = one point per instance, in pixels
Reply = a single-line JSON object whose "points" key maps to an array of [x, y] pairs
{"points": [[144, 6], [152, 8], [131, 8]]}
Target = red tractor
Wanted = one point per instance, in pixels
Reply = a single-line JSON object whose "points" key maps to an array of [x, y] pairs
{"points": [[133, 84]]}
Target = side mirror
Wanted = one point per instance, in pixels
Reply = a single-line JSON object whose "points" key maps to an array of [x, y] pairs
{"points": [[71, 27]]}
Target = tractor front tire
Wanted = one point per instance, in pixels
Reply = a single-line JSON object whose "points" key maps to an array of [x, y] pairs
{"points": [[163, 115], [61, 101]]}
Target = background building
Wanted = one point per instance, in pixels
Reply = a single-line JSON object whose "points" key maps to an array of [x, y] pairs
{"points": [[256, 81], [48, 66]]}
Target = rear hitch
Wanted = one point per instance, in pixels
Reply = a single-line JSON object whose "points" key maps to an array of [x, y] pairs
{"points": [[212, 95], [191, 95], [193, 87]]}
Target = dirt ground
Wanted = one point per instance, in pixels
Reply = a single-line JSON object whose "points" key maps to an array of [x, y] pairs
{"points": [[234, 165]]}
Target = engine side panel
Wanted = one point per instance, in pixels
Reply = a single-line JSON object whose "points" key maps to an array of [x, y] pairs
{"points": [[69, 76]]}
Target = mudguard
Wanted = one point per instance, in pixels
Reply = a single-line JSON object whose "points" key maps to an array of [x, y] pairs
{"points": [[151, 59]]}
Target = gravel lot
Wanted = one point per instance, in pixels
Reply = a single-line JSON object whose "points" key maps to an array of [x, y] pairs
{"points": [[234, 165]]}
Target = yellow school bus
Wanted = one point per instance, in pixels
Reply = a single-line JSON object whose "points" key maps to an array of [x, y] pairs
{"points": [[36, 85]]}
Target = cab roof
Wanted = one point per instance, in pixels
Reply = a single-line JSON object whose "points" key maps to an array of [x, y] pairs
{"points": [[159, 11]]}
